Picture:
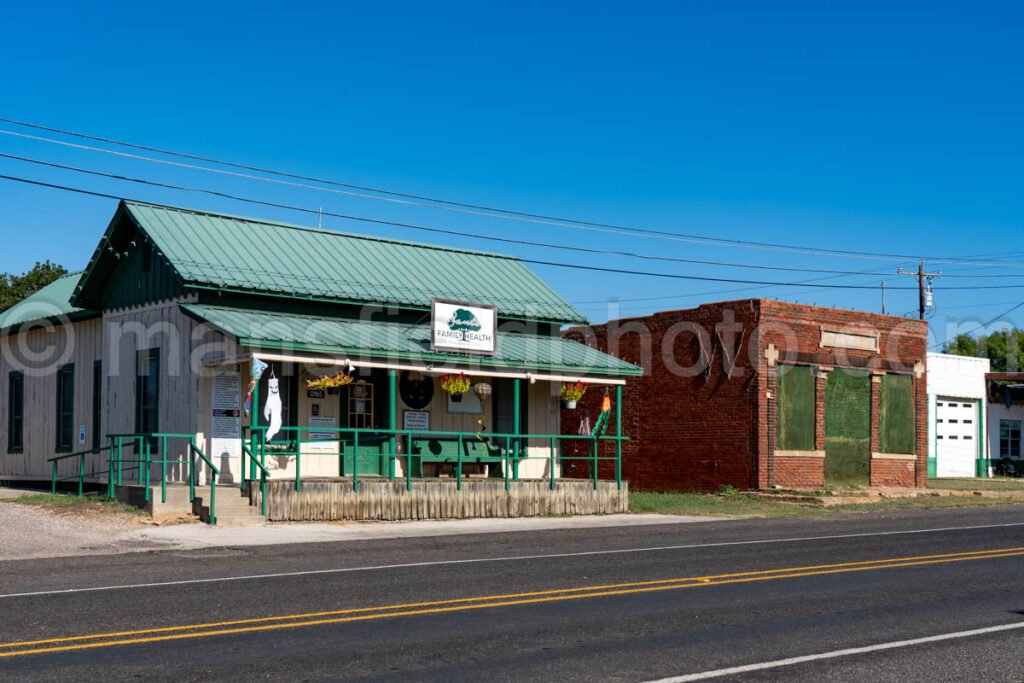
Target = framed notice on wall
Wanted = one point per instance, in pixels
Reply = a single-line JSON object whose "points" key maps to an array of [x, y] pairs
{"points": [[458, 326], [417, 420]]}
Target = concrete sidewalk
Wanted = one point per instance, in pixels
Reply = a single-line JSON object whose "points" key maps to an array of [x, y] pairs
{"points": [[204, 536]]}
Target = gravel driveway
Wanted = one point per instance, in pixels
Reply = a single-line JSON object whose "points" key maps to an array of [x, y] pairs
{"points": [[32, 531]]}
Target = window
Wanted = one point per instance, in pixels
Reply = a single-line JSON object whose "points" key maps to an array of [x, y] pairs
{"points": [[147, 394], [15, 412], [97, 400], [1009, 438], [66, 408]]}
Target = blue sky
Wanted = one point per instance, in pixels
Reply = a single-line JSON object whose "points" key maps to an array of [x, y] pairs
{"points": [[866, 126]]}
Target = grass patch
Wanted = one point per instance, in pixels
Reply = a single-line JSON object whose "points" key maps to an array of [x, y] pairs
{"points": [[929, 503], [994, 484], [72, 504], [745, 505], [708, 505]]}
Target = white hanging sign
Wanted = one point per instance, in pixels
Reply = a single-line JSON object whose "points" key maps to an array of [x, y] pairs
{"points": [[458, 326], [226, 414]]}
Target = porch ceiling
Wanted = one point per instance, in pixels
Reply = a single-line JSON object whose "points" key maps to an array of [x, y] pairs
{"points": [[393, 342]]}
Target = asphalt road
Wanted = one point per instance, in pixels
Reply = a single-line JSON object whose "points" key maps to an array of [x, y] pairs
{"points": [[629, 604]]}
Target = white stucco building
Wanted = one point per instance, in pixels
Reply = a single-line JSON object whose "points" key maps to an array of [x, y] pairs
{"points": [[957, 416]]}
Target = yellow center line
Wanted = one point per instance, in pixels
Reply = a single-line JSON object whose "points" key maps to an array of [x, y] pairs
{"points": [[483, 602]]}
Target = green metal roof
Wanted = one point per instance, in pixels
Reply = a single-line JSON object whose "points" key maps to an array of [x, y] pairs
{"points": [[395, 341], [259, 256], [51, 301]]}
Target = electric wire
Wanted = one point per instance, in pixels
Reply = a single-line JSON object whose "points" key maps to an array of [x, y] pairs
{"points": [[416, 200], [471, 235], [553, 264], [981, 326]]}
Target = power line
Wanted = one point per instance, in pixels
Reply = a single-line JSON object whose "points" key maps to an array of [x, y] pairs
{"points": [[983, 325], [472, 235], [462, 207], [553, 264]]}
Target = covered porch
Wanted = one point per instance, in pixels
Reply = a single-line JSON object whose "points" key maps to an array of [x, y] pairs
{"points": [[390, 418]]}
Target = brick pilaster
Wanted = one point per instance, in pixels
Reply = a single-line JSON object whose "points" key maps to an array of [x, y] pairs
{"points": [[875, 422], [820, 382]]}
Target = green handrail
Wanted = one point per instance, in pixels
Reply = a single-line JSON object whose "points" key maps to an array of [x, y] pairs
{"points": [[193, 451], [80, 476], [264, 474]]}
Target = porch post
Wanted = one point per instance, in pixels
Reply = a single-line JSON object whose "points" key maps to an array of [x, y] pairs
{"points": [[254, 423], [618, 436], [392, 420], [515, 429]]}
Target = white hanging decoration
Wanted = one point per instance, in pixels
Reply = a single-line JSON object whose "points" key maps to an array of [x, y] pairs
{"points": [[272, 408]]}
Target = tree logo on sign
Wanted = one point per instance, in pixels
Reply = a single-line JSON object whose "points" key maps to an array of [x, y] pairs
{"points": [[463, 321]]}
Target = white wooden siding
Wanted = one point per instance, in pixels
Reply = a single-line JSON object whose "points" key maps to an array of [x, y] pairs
{"points": [[53, 347]]}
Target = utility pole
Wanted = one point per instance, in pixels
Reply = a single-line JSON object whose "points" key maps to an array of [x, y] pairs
{"points": [[883, 297], [923, 298]]}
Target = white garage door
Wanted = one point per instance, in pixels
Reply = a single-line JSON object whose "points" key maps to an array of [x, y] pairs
{"points": [[956, 437]]}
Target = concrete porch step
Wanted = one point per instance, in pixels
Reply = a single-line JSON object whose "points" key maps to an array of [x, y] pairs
{"points": [[233, 508]]}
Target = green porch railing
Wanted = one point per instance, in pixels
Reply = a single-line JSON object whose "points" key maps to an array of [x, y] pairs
{"points": [[80, 475], [504, 449], [140, 445], [257, 464], [214, 472]]}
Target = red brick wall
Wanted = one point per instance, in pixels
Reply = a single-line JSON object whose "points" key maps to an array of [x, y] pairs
{"points": [[687, 433], [902, 343], [893, 473], [716, 425], [800, 472]]}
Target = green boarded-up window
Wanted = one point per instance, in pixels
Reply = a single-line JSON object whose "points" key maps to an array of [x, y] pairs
{"points": [[15, 412], [795, 415], [896, 414], [66, 408]]}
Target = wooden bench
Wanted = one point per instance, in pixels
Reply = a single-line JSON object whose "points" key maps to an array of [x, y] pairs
{"points": [[445, 450]]}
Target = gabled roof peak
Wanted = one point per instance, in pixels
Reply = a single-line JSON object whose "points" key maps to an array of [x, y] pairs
{"points": [[221, 252]]}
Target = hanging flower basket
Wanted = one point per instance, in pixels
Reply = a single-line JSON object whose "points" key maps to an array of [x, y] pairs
{"points": [[330, 382], [573, 392], [455, 385]]}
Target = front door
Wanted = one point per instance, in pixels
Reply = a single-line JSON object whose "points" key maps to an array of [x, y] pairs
{"points": [[364, 405], [848, 428], [504, 416]]}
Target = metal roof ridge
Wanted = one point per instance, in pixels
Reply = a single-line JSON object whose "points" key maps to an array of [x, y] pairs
{"points": [[129, 203]]}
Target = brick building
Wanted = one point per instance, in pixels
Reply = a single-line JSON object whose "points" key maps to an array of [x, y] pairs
{"points": [[758, 393]]}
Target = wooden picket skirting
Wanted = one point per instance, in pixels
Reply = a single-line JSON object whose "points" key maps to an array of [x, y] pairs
{"points": [[329, 499]]}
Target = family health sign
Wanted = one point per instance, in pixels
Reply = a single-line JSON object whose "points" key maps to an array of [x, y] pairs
{"points": [[459, 326]]}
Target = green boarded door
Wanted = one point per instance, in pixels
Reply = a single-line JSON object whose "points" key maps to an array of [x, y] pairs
{"points": [[794, 428], [896, 415], [847, 427]]}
